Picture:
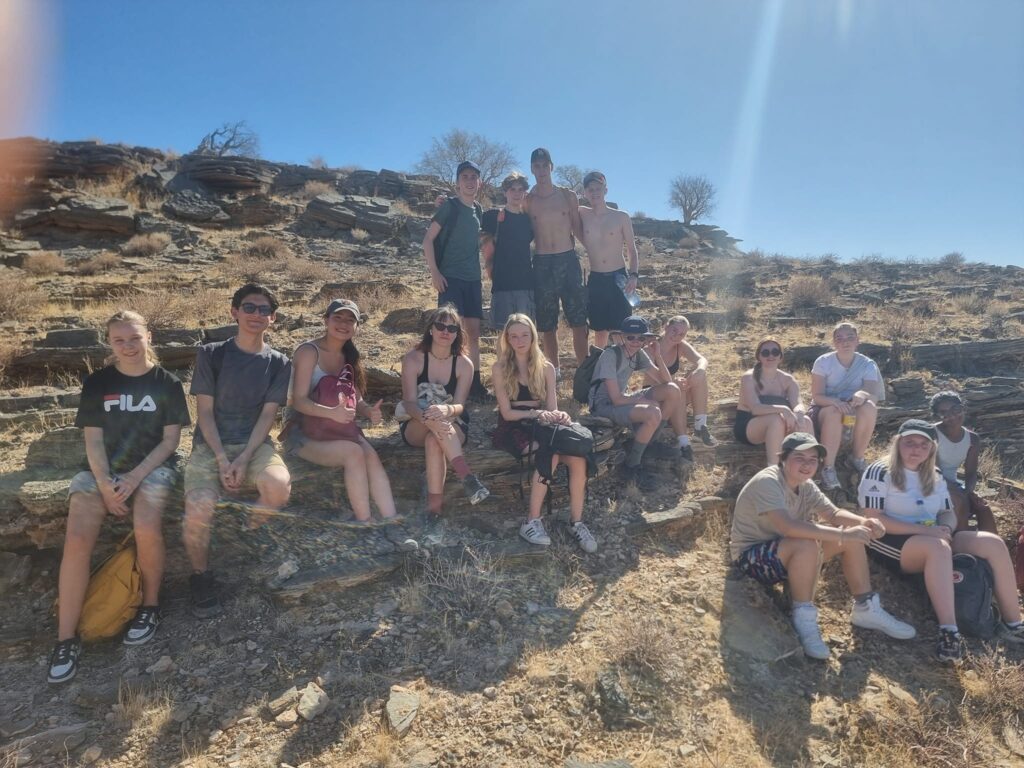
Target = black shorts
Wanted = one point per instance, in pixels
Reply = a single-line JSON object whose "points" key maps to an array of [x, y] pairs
{"points": [[606, 303], [466, 295], [887, 550], [739, 427]]}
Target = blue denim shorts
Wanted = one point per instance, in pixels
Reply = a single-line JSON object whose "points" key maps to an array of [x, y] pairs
{"points": [[160, 479], [761, 563]]}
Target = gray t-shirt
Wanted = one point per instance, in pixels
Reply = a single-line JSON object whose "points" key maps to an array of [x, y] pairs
{"points": [[618, 366], [766, 491], [241, 386], [461, 258]]}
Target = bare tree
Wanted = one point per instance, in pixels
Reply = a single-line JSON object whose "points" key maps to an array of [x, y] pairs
{"points": [[493, 158], [694, 196], [570, 176], [230, 139], [318, 162]]}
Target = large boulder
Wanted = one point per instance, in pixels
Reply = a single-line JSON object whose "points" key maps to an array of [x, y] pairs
{"points": [[258, 210], [230, 174], [82, 212], [189, 205], [331, 211], [293, 178]]}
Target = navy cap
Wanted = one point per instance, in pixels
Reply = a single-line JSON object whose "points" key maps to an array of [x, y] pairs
{"points": [[338, 305], [466, 165], [634, 324]]}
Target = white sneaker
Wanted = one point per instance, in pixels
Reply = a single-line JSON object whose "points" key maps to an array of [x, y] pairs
{"points": [[584, 537], [533, 531], [860, 465], [829, 478], [874, 616], [805, 622]]}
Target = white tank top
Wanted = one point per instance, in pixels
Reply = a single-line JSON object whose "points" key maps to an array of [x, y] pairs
{"points": [[951, 455], [318, 372]]}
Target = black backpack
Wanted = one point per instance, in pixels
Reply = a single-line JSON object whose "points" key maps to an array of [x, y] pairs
{"points": [[441, 241], [582, 380], [973, 587], [568, 440]]}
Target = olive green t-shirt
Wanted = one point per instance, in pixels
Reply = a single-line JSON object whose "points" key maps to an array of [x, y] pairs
{"points": [[461, 258], [767, 490]]}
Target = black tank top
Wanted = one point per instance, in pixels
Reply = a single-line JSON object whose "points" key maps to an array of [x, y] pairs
{"points": [[524, 394], [424, 376]]}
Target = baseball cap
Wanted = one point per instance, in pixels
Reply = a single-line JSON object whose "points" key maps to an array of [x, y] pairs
{"points": [[466, 165], [800, 441], [337, 305], [917, 427], [594, 176], [634, 324], [540, 154]]}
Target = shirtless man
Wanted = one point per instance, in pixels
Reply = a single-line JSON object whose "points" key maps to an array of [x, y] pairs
{"points": [[555, 216], [606, 234]]}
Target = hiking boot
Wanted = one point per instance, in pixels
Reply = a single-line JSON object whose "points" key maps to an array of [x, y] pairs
{"points": [[533, 531], [950, 647], [205, 595], [143, 626], [805, 622], [860, 465], [475, 490], [64, 660], [1012, 635], [584, 537], [873, 616], [705, 436], [686, 453], [829, 478]]}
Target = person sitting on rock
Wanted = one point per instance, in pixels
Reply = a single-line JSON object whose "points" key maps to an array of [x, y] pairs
{"points": [[769, 406], [775, 538], [335, 355], [524, 383], [632, 351], [908, 495], [844, 385], [131, 413], [693, 385], [959, 446], [436, 378], [239, 385], [506, 234]]}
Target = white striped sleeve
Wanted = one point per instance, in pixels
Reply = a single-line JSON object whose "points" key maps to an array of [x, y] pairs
{"points": [[873, 487]]}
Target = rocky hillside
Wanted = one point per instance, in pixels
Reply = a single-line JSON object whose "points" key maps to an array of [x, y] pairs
{"points": [[339, 649]]}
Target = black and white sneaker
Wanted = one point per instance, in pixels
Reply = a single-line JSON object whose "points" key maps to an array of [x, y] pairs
{"points": [[686, 453], [64, 660], [205, 595], [705, 436], [143, 626], [475, 490], [950, 647]]}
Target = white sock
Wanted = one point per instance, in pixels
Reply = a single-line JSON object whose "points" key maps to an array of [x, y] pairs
{"points": [[700, 421], [949, 627], [684, 440]]}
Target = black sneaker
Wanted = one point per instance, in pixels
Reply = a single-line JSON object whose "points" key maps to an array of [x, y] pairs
{"points": [[475, 490], [143, 626], [951, 646], [205, 595], [705, 436], [686, 453], [64, 660]]}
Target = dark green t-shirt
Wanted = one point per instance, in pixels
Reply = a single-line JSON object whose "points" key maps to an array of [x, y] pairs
{"points": [[462, 256]]}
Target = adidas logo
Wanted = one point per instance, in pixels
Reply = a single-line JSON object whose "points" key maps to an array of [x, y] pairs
{"points": [[874, 489]]}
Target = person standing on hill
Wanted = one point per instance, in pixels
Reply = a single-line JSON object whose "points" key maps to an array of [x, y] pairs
{"points": [[607, 234], [507, 234], [555, 216], [451, 249]]}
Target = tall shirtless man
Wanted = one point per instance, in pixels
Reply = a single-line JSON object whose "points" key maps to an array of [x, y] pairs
{"points": [[607, 233], [555, 216]]}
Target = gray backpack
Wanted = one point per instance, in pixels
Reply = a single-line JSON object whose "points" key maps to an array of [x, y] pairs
{"points": [[973, 587]]}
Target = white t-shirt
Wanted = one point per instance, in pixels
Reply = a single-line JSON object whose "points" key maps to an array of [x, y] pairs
{"points": [[828, 365], [909, 505]]}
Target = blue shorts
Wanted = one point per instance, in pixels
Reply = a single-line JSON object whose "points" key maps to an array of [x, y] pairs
{"points": [[761, 563], [158, 483], [466, 295]]}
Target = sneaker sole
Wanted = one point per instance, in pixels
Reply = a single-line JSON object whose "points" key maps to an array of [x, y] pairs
{"points": [[536, 543], [58, 681], [902, 636], [140, 641]]}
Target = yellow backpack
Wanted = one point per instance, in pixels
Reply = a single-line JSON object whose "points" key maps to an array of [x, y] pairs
{"points": [[113, 596]]}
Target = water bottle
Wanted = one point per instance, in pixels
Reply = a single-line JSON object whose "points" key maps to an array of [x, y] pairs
{"points": [[632, 297], [849, 420]]}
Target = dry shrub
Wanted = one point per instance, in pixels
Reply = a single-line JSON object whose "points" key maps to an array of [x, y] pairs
{"points": [[101, 262], [314, 188], [728, 278], [469, 585], [737, 311], [971, 303], [177, 309], [19, 301], [44, 263], [809, 292], [359, 235], [141, 705], [643, 643], [997, 689], [952, 260], [270, 272], [902, 328], [401, 208], [146, 245], [267, 248]]}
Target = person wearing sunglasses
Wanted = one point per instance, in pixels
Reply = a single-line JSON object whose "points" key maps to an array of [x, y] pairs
{"points": [[505, 237], [694, 384], [844, 384], [959, 446], [907, 494], [239, 385], [440, 428], [776, 537], [769, 406]]}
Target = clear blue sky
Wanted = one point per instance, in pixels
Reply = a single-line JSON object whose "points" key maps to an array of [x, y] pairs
{"points": [[846, 126]]}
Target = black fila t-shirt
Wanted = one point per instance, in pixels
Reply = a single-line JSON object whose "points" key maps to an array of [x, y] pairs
{"points": [[132, 411]]}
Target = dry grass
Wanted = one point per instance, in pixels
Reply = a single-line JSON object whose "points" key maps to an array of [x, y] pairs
{"points": [[902, 328], [101, 262], [971, 304], [138, 705], [809, 292], [997, 686], [990, 464], [359, 235], [952, 260], [267, 248], [737, 311], [44, 263], [401, 208], [243, 268], [314, 188], [19, 301], [383, 748], [178, 309], [467, 586], [643, 643], [146, 245]]}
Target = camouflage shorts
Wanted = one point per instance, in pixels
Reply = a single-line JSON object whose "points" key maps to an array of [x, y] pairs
{"points": [[559, 276]]}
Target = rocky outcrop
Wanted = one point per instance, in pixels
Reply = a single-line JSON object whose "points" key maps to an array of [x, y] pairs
{"points": [[189, 205], [28, 157], [334, 212], [393, 184], [293, 178], [258, 210], [81, 212], [230, 174]]}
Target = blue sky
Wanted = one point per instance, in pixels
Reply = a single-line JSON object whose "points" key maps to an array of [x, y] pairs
{"points": [[845, 126]]}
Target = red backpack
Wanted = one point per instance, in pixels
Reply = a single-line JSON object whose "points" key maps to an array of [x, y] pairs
{"points": [[331, 391]]}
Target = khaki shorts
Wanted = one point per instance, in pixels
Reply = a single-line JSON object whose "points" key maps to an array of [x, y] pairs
{"points": [[202, 470]]}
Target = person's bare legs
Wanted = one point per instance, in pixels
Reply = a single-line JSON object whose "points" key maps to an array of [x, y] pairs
{"points": [[670, 399], [867, 414], [439, 451], [472, 326], [350, 457], [274, 485], [149, 539], [801, 558], [380, 485], [934, 558], [199, 508], [855, 564], [85, 517], [549, 340], [577, 487], [991, 548], [648, 416], [697, 392], [831, 422], [769, 429], [580, 343]]}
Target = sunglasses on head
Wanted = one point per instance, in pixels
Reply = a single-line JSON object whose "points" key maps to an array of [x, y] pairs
{"points": [[265, 310], [770, 352], [450, 327]]}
